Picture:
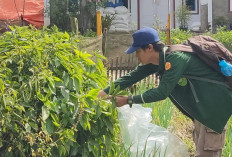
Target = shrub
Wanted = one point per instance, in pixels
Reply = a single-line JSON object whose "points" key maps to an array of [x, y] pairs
{"points": [[224, 36], [48, 103], [177, 36]]}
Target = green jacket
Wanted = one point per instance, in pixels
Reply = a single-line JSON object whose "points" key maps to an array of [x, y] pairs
{"points": [[209, 103]]}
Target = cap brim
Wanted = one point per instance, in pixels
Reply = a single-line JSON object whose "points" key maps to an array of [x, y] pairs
{"points": [[131, 49]]}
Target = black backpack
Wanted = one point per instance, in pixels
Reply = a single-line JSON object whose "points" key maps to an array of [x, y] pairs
{"points": [[207, 49]]}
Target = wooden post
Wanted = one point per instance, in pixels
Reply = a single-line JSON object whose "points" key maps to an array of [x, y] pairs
{"points": [[111, 73], [120, 72], [116, 67], [74, 25], [169, 26], [99, 24]]}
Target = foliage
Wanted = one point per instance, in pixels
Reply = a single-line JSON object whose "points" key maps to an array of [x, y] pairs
{"points": [[228, 144], [183, 16], [59, 14], [92, 5], [177, 36], [224, 36], [107, 21], [220, 20], [90, 33], [158, 25], [48, 97]]}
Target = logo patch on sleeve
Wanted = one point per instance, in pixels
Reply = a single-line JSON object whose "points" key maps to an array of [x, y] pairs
{"points": [[168, 65]]}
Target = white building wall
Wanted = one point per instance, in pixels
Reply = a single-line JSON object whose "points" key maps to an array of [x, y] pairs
{"points": [[149, 9], [150, 12], [134, 14], [194, 20]]}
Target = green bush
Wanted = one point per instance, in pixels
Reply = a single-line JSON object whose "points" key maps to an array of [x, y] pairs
{"points": [[177, 36], [90, 33], [48, 97], [224, 36]]}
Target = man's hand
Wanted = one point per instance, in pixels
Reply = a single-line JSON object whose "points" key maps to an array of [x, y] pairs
{"points": [[101, 94], [121, 100]]}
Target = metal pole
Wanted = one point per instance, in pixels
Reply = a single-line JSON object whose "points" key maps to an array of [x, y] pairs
{"points": [[169, 25]]}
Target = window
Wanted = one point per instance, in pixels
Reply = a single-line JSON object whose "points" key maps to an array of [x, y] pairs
{"points": [[193, 5], [230, 5], [125, 3]]}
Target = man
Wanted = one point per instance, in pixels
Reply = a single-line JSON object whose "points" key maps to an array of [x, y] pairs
{"points": [[209, 105]]}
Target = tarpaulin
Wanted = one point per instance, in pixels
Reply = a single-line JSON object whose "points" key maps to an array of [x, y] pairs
{"points": [[12, 10]]}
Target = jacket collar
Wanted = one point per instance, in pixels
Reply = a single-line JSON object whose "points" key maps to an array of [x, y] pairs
{"points": [[162, 59]]}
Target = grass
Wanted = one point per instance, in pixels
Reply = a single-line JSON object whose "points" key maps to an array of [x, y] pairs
{"points": [[227, 150]]}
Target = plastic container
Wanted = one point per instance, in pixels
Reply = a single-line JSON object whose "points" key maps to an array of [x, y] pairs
{"points": [[226, 68]]}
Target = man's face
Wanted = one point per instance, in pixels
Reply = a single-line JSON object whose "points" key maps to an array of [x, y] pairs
{"points": [[143, 56]]}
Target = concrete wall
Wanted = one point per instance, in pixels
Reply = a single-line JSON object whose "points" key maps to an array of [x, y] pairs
{"points": [[220, 8], [90, 44], [116, 45]]}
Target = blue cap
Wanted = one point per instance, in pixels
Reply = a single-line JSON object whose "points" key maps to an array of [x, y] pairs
{"points": [[143, 37]]}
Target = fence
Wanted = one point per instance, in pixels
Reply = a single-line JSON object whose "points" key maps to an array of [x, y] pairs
{"points": [[120, 66]]}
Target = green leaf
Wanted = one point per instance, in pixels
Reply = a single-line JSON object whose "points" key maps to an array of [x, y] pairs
{"points": [[74, 149], [116, 91], [112, 86], [93, 93], [57, 61], [85, 151], [27, 127], [63, 107], [50, 126], [121, 93], [98, 111], [1, 144], [66, 78], [108, 143], [4, 100], [109, 124], [45, 112], [61, 149], [76, 83], [40, 97], [2, 87], [85, 122], [65, 93], [89, 110], [55, 120], [19, 107]]}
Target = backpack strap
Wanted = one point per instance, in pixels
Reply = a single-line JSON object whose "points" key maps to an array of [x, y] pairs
{"points": [[179, 47], [188, 77], [207, 80]]}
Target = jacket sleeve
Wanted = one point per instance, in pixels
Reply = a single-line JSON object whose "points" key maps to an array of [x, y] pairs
{"points": [[170, 78], [134, 76]]}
